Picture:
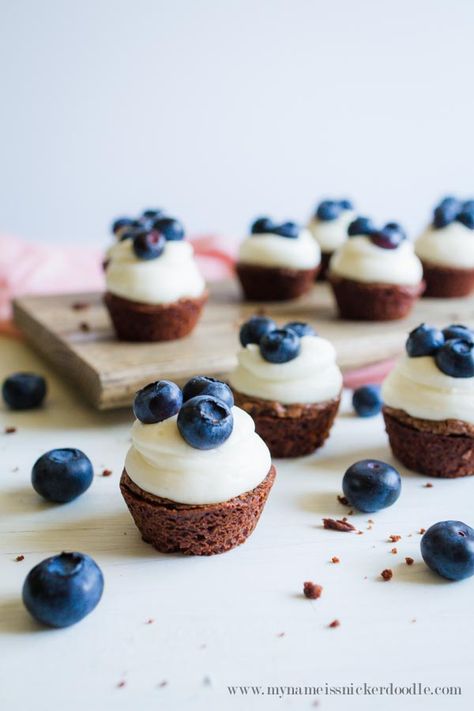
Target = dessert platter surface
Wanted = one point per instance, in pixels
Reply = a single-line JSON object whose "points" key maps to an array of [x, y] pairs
{"points": [[73, 331]]}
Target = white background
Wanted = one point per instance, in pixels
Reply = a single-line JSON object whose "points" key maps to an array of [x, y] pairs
{"points": [[221, 109]]}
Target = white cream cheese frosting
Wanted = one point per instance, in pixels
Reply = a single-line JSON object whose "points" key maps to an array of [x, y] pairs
{"points": [[417, 386], [331, 234], [171, 276], [162, 463], [450, 246], [311, 377], [270, 250], [362, 260]]}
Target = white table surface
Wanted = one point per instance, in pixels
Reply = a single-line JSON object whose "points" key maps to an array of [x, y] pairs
{"points": [[219, 621]]}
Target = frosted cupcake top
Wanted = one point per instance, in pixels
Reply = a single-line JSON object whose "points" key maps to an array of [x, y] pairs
{"points": [[449, 240], [194, 446], [150, 262], [330, 222], [372, 255], [289, 365], [285, 245], [435, 379]]}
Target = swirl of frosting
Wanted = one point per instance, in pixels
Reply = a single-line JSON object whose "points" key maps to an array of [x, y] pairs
{"points": [[173, 275], [331, 234], [162, 463], [450, 246], [311, 377], [362, 260], [270, 250], [417, 386]]}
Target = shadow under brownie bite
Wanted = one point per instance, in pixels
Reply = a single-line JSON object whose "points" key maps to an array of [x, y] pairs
{"points": [[288, 381]]}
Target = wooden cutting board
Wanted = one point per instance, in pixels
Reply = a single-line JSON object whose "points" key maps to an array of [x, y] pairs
{"points": [[81, 344]]}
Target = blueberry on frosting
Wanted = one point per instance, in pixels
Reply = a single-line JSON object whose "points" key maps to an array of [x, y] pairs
{"points": [[452, 348], [261, 226], [120, 223], [148, 245], [456, 330], [389, 237], [450, 209], [287, 229], [169, 227], [264, 225], [424, 341], [253, 330], [204, 385], [456, 358], [329, 210], [280, 345], [361, 226], [205, 422], [157, 401], [301, 328]]}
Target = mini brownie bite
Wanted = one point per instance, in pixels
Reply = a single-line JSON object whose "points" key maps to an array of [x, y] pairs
{"points": [[277, 262], [155, 291], [446, 249], [288, 381], [429, 402], [197, 475], [375, 275], [329, 228]]}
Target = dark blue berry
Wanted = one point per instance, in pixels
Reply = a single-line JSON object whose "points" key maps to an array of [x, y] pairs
{"points": [[389, 237], [346, 204], [24, 391], [172, 229], [157, 402], [445, 212], [424, 341], [62, 475], [122, 222], [456, 358], [370, 485], [466, 217], [366, 400], [447, 548], [203, 385], [262, 225], [329, 210], [61, 590], [456, 330], [149, 245], [301, 328], [132, 230], [152, 213], [205, 422], [253, 330], [361, 226], [287, 229], [280, 345]]}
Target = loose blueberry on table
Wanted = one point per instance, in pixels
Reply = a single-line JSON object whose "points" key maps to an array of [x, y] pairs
{"points": [[447, 548], [63, 589], [205, 422], [280, 345], [301, 328], [371, 485], [253, 330], [204, 385], [24, 391], [366, 400], [62, 475], [157, 401]]}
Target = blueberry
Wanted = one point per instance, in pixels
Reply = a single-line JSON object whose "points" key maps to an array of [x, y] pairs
{"points": [[152, 213], [131, 231], [280, 345], [370, 485], [172, 229], [205, 422], [446, 212], [466, 217], [301, 328], [456, 358], [287, 229], [62, 475], [456, 330], [329, 210], [424, 341], [24, 391], [253, 330], [157, 402], [61, 590], [262, 225], [447, 548], [120, 223], [148, 245], [203, 385], [389, 237], [366, 400], [468, 206], [361, 226], [346, 204]]}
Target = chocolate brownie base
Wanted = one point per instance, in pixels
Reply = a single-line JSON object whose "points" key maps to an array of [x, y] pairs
{"points": [[290, 430], [436, 448], [274, 284], [359, 301], [134, 321], [324, 266], [447, 282], [195, 530]]}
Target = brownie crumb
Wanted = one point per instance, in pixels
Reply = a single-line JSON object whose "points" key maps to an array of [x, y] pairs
{"points": [[162, 684], [84, 327], [422, 530], [80, 306], [334, 623], [281, 634], [394, 539], [150, 621], [10, 430], [360, 533], [107, 472], [335, 559], [338, 525], [369, 520], [342, 500], [429, 485], [394, 551], [409, 561], [19, 558], [311, 590], [369, 528], [121, 684], [387, 574]]}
